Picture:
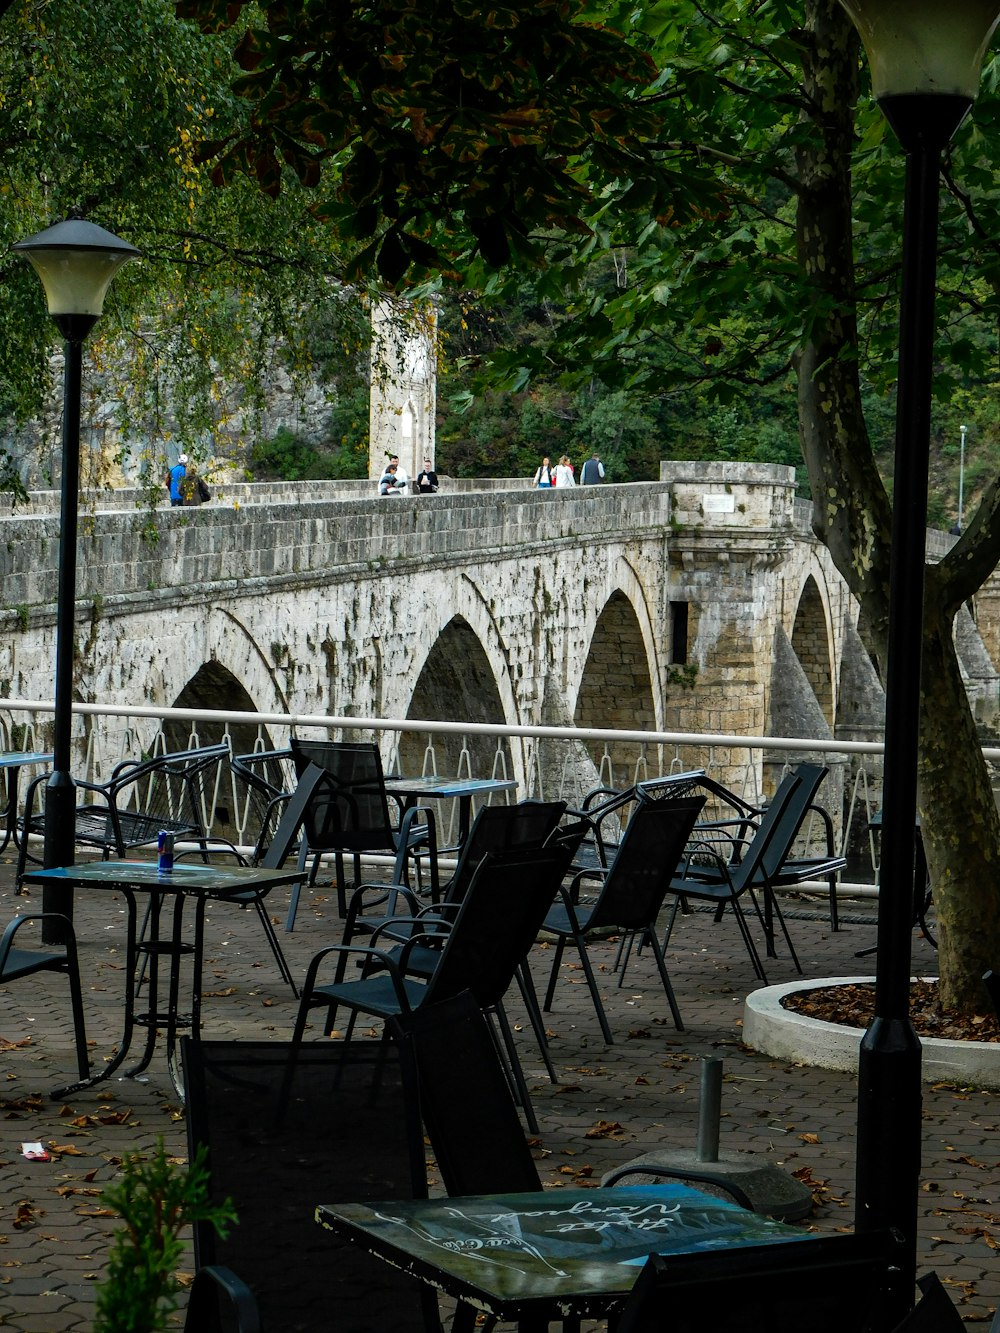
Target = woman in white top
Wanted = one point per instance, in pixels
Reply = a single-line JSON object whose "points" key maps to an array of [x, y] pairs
{"points": [[564, 472], [544, 475]]}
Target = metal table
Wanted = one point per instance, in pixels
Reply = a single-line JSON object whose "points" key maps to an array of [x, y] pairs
{"points": [[11, 762], [557, 1254], [194, 881], [415, 790]]}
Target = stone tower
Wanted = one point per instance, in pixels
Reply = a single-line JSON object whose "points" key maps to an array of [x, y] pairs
{"points": [[403, 385]]}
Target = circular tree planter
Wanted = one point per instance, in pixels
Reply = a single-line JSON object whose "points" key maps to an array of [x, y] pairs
{"points": [[772, 1029]]}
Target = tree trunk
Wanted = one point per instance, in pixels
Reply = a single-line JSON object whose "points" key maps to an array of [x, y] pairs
{"points": [[961, 830], [851, 515]]}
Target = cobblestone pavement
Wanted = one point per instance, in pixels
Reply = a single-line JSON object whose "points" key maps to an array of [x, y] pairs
{"points": [[612, 1102]]}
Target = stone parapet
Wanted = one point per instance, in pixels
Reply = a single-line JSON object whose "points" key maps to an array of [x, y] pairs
{"points": [[314, 540]]}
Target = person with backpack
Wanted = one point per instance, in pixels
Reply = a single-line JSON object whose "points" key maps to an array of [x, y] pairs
{"points": [[194, 491], [544, 476], [175, 478]]}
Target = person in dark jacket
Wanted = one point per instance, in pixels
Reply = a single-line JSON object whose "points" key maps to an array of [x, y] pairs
{"points": [[427, 479], [592, 471]]}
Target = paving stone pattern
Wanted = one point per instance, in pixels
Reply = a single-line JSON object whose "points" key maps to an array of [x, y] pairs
{"points": [[611, 1102]]}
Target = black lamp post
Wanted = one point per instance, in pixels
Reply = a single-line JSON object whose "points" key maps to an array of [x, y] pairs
{"points": [[76, 262], [925, 58]]}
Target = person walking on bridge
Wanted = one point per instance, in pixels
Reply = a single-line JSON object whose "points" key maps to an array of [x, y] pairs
{"points": [[175, 477], [564, 472], [592, 471], [544, 477]]}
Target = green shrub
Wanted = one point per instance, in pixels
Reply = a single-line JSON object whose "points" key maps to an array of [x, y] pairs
{"points": [[285, 457], [156, 1199]]}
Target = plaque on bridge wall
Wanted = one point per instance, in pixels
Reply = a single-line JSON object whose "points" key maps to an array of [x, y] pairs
{"points": [[718, 504]]}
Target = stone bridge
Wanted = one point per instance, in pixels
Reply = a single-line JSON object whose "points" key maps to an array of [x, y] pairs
{"points": [[699, 603]]}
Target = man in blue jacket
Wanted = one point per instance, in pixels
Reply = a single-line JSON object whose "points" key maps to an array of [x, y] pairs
{"points": [[174, 478]]}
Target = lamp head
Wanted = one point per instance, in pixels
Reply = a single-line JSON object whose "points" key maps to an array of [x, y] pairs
{"points": [[925, 57], [76, 262]]}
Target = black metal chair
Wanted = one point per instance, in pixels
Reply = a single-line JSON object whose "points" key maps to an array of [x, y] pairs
{"points": [[468, 1109], [339, 1121], [466, 1101], [826, 1284], [434, 921], [171, 792], [262, 782], [354, 816], [797, 869], [631, 894], [935, 1312], [496, 828], [16, 963], [491, 936], [708, 876], [778, 867]]}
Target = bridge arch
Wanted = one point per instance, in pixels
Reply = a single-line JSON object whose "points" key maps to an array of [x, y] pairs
{"points": [[616, 687], [811, 638], [463, 676], [214, 686]]}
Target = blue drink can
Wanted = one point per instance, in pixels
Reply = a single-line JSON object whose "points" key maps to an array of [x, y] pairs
{"points": [[165, 847]]}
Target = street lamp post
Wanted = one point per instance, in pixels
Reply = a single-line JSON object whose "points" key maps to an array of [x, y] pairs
{"points": [[76, 262], [963, 430], [925, 60]]}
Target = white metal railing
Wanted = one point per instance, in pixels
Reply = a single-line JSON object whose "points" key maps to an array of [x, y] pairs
{"points": [[546, 761]]}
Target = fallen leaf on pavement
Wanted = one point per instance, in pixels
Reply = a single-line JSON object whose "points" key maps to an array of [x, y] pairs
{"points": [[605, 1129]]}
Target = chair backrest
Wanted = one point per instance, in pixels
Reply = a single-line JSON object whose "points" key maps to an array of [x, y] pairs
{"points": [[497, 828], [353, 814], [606, 804], [826, 1284], [810, 777], [648, 856], [296, 808], [465, 1099], [176, 790], [498, 922], [344, 1126], [261, 780], [770, 831]]}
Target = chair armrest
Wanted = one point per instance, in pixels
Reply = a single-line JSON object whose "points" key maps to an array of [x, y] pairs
{"points": [[415, 839], [385, 928], [827, 821], [368, 959], [588, 872], [213, 1283], [720, 867], [211, 846], [377, 892], [7, 939]]}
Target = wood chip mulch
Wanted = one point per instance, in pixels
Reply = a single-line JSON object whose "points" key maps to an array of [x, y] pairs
{"points": [[853, 1005]]}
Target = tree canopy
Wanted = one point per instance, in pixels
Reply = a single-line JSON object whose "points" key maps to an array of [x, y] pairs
{"points": [[436, 134], [104, 108]]}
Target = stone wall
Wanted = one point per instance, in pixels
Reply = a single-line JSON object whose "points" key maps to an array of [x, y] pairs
{"points": [[122, 553]]}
